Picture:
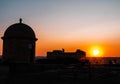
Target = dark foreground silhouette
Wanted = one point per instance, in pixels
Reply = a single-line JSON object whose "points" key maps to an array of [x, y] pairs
{"points": [[59, 74]]}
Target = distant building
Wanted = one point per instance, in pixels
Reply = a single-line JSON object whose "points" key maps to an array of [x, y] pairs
{"points": [[56, 54], [19, 44]]}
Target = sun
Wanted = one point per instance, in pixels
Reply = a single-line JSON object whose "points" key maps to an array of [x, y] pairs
{"points": [[96, 51]]}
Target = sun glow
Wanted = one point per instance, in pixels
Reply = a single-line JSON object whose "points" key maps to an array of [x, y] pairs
{"points": [[96, 51]]}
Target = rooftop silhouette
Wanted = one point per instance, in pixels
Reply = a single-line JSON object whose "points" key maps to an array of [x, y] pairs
{"points": [[19, 43]]}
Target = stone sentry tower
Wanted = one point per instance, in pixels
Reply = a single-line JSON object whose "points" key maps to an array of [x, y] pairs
{"points": [[19, 44]]}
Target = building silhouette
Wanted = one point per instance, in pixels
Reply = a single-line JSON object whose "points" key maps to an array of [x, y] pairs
{"points": [[58, 54], [19, 44]]}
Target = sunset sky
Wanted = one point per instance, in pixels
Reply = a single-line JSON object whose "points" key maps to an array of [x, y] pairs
{"points": [[68, 24]]}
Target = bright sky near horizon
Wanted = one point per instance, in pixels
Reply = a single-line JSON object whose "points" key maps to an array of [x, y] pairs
{"points": [[68, 24]]}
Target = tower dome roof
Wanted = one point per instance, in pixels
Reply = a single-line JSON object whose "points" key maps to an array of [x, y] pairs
{"points": [[19, 31]]}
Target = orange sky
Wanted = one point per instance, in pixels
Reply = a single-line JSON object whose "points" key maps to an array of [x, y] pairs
{"points": [[108, 48], [68, 24], [44, 44]]}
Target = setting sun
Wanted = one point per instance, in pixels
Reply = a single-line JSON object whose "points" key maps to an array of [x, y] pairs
{"points": [[96, 51]]}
